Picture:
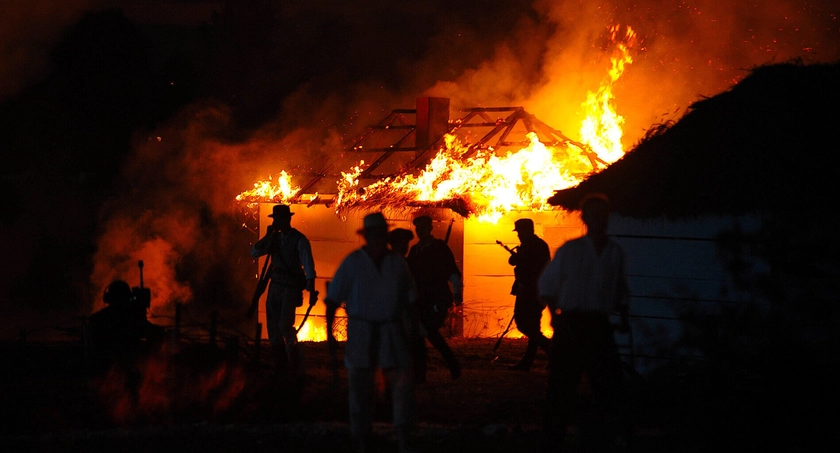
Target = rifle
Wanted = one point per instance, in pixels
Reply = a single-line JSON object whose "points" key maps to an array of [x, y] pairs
{"points": [[510, 250], [507, 329], [449, 230], [262, 284]]}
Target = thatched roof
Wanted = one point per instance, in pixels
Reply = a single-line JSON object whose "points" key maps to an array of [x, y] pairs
{"points": [[769, 144]]}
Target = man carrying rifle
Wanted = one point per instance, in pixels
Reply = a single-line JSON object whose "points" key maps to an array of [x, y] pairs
{"points": [[433, 266], [292, 270], [529, 259]]}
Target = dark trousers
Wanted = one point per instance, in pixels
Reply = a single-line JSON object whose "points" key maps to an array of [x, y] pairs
{"points": [[432, 321], [584, 378], [527, 312]]}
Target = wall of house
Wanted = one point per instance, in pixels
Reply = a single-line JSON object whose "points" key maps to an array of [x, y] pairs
{"points": [[488, 305], [675, 271], [673, 268]]}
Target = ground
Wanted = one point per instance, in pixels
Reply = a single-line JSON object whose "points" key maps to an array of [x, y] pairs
{"points": [[197, 397]]}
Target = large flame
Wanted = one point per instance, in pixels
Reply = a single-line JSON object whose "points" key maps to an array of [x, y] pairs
{"points": [[601, 129], [487, 184]]}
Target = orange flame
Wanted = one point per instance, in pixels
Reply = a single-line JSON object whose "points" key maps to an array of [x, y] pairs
{"points": [[269, 191], [491, 185], [601, 129]]}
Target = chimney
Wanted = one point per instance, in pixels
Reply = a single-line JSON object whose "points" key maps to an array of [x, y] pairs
{"points": [[432, 121]]}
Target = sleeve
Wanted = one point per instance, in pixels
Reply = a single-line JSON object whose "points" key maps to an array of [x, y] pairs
{"points": [[450, 260], [305, 254], [263, 246], [339, 288]]}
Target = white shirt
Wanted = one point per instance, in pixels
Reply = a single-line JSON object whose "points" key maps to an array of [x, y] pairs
{"points": [[375, 299], [579, 279]]}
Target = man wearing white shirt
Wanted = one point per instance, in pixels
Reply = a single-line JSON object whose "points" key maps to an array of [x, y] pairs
{"points": [[583, 284], [378, 291]]}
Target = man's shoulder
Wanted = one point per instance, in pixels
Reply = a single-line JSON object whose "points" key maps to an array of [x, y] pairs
{"points": [[576, 242]]}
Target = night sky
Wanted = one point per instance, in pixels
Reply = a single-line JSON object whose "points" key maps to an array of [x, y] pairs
{"points": [[128, 127]]}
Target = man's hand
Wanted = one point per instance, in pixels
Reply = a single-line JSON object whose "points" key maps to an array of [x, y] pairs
{"points": [[313, 297], [459, 298]]}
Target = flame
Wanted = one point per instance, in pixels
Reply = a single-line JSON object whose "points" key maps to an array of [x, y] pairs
{"points": [[269, 191], [487, 185], [490, 185], [601, 129]]}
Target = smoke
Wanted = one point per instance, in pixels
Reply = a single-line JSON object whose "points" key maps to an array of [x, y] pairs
{"points": [[177, 212]]}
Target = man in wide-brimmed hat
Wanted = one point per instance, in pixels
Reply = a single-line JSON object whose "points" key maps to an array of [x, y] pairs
{"points": [[292, 271], [378, 291]]}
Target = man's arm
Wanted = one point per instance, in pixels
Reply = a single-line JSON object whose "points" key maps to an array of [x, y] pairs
{"points": [[305, 255], [264, 245], [457, 288]]}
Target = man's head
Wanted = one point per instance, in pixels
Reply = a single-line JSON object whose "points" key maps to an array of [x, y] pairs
{"points": [[595, 212], [524, 227], [423, 226], [399, 238], [282, 216], [117, 294], [375, 229]]}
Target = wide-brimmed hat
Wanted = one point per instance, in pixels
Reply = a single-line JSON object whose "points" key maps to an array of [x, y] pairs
{"points": [[374, 221], [281, 210]]}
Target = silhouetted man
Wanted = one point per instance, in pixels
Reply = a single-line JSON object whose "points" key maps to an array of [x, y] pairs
{"points": [[434, 269], [292, 271], [583, 284], [118, 330], [529, 259], [376, 286], [398, 239]]}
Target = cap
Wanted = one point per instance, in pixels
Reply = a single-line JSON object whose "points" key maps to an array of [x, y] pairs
{"points": [[422, 220], [523, 225]]}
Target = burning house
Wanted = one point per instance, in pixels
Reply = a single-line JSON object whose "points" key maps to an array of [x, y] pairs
{"points": [[475, 172]]}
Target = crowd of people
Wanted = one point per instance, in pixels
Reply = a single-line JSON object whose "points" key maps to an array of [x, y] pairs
{"points": [[398, 296]]}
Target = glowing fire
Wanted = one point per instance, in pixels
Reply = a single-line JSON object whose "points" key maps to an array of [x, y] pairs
{"points": [[269, 191], [490, 185], [601, 129]]}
